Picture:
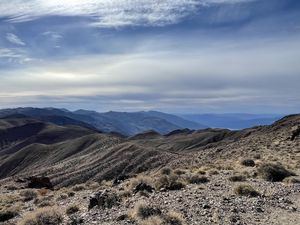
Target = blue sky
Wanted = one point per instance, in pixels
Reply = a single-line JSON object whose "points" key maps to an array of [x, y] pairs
{"points": [[172, 55]]}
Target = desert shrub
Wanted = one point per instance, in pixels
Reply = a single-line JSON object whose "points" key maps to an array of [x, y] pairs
{"points": [[11, 188], [257, 156], [291, 180], [174, 218], [62, 196], [246, 190], [134, 182], [237, 178], [179, 172], [44, 216], [152, 220], [202, 172], [247, 162], [196, 179], [166, 171], [213, 172], [92, 185], [142, 211], [172, 182], [79, 187], [28, 195], [72, 209], [274, 172], [6, 215], [71, 194]]}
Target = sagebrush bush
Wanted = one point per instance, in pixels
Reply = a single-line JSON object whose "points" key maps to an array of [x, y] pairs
{"points": [[273, 172], [29, 195], [237, 178], [166, 171], [291, 180], [197, 179], [142, 211], [246, 190], [141, 179], [44, 216], [174, 218], [79, 187], [171, 182], [72, 209]]}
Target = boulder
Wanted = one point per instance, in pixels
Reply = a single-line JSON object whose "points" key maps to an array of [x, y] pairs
{"points": [[39, 182]]}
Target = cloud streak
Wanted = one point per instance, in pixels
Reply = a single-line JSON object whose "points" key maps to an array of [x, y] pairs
{"points": [[109, 13], [14, 39]]}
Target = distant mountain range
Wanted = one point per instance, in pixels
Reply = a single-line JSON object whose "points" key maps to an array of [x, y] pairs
{"points": [[132, 123], [123, 123], [234, 121]]}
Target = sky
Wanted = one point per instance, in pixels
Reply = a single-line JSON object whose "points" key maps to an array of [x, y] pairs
{"points": [[180, 56]]}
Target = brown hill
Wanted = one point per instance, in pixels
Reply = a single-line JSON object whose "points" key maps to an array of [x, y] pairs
{"points": [[72, 154]]}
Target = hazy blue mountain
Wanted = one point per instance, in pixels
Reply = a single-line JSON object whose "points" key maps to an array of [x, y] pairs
{"points": [[117, 122], [233, 120]]}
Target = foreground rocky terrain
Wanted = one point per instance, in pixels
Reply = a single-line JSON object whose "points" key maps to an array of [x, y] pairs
{"points": [[211, 176]]}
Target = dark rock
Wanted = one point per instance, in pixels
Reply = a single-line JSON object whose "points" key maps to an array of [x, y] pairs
{"points": [[122, 217], [104, 199], [7, 215], [248, 162], [39, 182], [120, 179], [143, 187]]}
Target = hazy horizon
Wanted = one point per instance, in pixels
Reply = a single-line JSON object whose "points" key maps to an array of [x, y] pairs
{"points": [[175, 56]]}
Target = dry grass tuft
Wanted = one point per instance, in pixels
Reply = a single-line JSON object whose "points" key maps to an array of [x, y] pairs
{"points": [[44, 216], [142, 211], [237, 178], [174, 218], [29, 195], [172, 182], [246, 190], [72, 209]]}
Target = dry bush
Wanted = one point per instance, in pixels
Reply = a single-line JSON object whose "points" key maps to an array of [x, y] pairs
{"points": [[152, 220], [172, 182], [273, 172], [213, 172], [134, 182], [142, 211], [12, 188], [237, 178], [174, 218], [29, 195], [197, 179], [44, 216], [291, 180], [72, 209], [62, 196], [247, 162], [92, 185], [179, 172], [246, 190], [78, 187], [166, 171]]}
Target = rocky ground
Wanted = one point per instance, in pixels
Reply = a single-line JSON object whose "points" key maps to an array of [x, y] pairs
{"points": [[212, 202]]}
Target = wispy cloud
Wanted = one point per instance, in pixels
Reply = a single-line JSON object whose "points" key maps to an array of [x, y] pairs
{"points": [[14, 39], [108, 13]]}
